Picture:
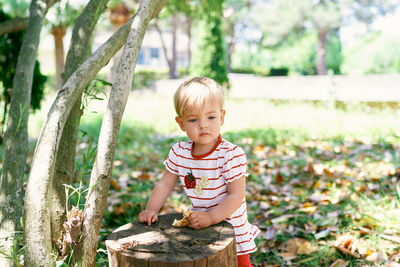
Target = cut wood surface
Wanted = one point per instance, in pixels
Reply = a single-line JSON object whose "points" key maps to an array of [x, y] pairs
{"points": [[161, 244]]}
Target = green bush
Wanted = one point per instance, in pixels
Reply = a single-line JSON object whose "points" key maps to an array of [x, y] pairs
{"points": [[209, 58], [144, 78], [282, 71]]}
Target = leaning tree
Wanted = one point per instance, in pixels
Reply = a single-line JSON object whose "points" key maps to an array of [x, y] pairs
{"points": [[43, 187]]}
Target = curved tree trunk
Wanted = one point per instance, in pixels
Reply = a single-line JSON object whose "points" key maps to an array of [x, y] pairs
{"points": [[37, 217], [101, 173], [58, 35], [77, 53], [321, 53], [16, 135], [14, 25]]}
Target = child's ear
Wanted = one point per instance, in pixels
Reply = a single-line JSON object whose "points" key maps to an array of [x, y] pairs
{"points": [[178, 120], [222, 116]]}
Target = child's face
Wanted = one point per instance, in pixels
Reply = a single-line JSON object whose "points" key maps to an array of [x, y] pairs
{"points": [[203, 126]]}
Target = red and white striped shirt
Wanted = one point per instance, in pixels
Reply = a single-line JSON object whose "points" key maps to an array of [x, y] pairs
{"points": [[225, 163]]}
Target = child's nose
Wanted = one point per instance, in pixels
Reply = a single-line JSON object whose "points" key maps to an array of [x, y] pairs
{"points": [[203, 123]]}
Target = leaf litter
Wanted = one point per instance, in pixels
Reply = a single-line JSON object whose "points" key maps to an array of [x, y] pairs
{"points": [[329, 202]]}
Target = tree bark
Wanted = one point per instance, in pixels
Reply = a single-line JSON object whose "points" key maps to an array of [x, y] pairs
{"points": [[321, 53], [14, 25], [37, 217], [58, 35], [164, 47], [16, 135], [77, 53], [101, 173]]}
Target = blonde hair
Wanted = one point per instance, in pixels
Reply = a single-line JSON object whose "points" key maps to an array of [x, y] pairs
{"points": [[195, 92]]}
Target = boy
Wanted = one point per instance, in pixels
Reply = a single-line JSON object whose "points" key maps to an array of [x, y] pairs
{"points": [[211, 169]]}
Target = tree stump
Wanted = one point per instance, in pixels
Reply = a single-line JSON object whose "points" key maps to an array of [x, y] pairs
{"points": [[161, 244]]}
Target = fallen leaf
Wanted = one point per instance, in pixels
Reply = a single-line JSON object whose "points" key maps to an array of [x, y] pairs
{"points": [[278, 178], [339, 263], [144, 176], [119, 210], [309, 210], [305, 248], [114, 184]]}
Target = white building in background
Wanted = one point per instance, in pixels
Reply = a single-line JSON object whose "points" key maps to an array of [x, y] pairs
{"points": [[151, 56]]}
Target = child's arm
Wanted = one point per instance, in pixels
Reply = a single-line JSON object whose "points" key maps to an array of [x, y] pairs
{"points": [[236, 193], [160, 193]]}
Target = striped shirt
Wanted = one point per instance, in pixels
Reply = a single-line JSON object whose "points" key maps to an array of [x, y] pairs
{"points": [[212, 171]]}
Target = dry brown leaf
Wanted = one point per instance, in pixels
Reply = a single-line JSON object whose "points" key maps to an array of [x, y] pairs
{"points": [[344, 243], [114, 184], [278, 178], [119, 210], [73, 225], [340, 263], [395, 256], [376, 257], [296, 246], [305, 248], [309, 210], [309, 168], [144, 176]]}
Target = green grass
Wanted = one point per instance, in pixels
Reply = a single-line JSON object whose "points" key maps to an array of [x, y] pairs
{"points": [[354, 151]]}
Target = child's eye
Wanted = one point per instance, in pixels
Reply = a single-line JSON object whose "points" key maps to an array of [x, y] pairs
{"points": [[192, 120], [211, 117]]}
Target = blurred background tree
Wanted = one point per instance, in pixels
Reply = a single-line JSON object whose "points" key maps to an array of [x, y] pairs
{"points": [[60, 17], [10, 45], [291, 25], [209, 58], [177, 15]]}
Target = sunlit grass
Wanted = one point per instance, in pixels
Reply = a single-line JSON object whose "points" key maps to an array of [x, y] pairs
{"points": [[315, 120]]}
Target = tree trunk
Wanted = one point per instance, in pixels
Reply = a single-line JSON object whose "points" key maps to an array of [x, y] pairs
{"points": [[16, 135], [37, 217], [189, 43], [231, 48], [161, 244], [14, 25], [77, 53], [173, 70], [101, 173], [118, 17], [164, 47], [321, 53], [58, 34]]}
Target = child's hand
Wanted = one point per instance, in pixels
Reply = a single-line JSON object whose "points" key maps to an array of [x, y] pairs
{"points": [[199, 220], [148, 216]]}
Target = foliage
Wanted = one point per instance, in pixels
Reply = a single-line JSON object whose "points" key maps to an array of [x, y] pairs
{"points": [[15, 8], [10, 45], [145, 78], [334, 55], [366, 56], [209, 58]]}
